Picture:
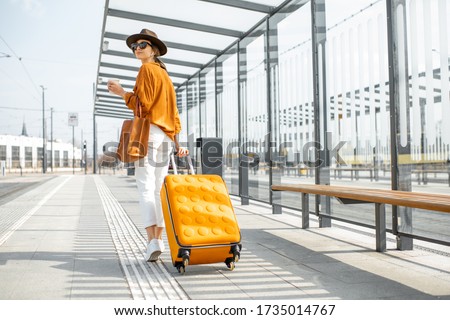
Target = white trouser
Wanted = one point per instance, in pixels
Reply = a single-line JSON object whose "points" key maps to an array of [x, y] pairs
{"points": [[150, 172]]}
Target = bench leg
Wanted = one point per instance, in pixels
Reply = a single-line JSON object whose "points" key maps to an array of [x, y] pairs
{"points": [[380, 226], [276, 209], [305, 210]]}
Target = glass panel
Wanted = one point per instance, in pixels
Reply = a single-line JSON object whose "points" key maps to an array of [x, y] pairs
{"points": [[292, 98], [194, 11], [254, 113], [208, 102], [357, 87], [274, 3], [427, 48], [189, 46], [182, 110], [181, 28], [228, 106], [169, 34], [357, 97], [428, 52], [193, 113]]}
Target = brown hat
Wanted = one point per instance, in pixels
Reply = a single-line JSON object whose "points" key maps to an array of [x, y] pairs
{"points": [[146, 34]]}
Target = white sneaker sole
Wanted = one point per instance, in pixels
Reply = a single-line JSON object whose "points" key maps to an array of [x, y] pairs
{"points": [[154, 256]]}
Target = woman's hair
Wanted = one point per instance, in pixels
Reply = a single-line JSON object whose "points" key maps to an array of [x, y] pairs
{"points": [[157, 60], [161, 64]]}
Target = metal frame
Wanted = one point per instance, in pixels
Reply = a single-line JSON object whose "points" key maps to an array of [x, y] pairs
{"points": [[322, 157], [243, 5], [271, 40], [173, 45], [174, 23], [400, 173], [243, 172]]}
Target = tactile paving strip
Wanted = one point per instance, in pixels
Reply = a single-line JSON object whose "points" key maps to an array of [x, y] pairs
{"points": [[146, 280]]}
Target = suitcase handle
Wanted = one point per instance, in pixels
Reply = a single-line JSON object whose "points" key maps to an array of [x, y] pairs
{"points": [[174, 166]]}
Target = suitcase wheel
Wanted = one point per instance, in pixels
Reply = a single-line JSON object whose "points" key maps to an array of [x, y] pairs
{"points": [[236, 256], [230, 263], [181, 266], [236, 250]]}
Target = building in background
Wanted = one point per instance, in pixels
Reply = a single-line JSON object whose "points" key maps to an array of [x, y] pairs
{"points": [[26, 154]]}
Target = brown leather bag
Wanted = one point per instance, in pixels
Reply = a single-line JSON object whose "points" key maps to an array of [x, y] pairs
{"points": [[133, 144]]}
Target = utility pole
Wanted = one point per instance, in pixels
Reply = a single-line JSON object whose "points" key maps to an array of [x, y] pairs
{"points": [[73, 122], [81, 151], [73, 149], [44, 144], [51, 138], [94, 142]]}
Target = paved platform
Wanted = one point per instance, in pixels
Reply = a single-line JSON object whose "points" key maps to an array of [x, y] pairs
{"points": [[80, 237]]}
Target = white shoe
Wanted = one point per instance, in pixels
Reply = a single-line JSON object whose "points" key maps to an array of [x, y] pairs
{"points": [[153, 251], [161, 245]]}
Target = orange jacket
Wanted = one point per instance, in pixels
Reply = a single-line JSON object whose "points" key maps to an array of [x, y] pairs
{"points": [[157, 96]]}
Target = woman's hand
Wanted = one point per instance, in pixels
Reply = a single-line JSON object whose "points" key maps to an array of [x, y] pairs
{"points": [[116, 88], [182, 152]]}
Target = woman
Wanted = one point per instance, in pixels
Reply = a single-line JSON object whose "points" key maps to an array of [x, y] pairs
{"points": [[157, 96]]}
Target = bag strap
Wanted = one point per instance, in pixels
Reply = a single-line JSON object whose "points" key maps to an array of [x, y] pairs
{"points": [[138, 107]]}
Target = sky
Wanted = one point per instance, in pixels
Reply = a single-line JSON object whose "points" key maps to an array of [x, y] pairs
{"points": [[54, 44]]}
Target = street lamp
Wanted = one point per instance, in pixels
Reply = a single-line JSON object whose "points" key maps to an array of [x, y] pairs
{"points": [[105, 45], [4, 55], [44, 151]]}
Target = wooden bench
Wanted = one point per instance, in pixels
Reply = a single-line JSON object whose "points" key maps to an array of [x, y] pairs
{"points": [[380, 197]]}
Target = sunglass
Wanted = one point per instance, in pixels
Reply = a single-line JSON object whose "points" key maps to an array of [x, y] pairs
{"points": [[141, 45]]}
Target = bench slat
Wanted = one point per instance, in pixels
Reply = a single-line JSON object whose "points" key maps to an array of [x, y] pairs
{"points": [[426, 201]]}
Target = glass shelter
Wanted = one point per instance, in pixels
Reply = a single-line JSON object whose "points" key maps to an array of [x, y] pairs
{"points": [[337, 92]]}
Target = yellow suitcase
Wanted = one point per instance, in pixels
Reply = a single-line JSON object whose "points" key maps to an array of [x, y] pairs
{"points": [[201, 225]]}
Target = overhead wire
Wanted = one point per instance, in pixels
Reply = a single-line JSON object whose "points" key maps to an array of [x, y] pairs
{"points": [[22, 64], [21, 109], [57, 62], [26, 72], [20, 85]]}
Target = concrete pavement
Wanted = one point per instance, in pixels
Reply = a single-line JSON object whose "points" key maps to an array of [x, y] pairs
{"points": [[80, 237]]}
